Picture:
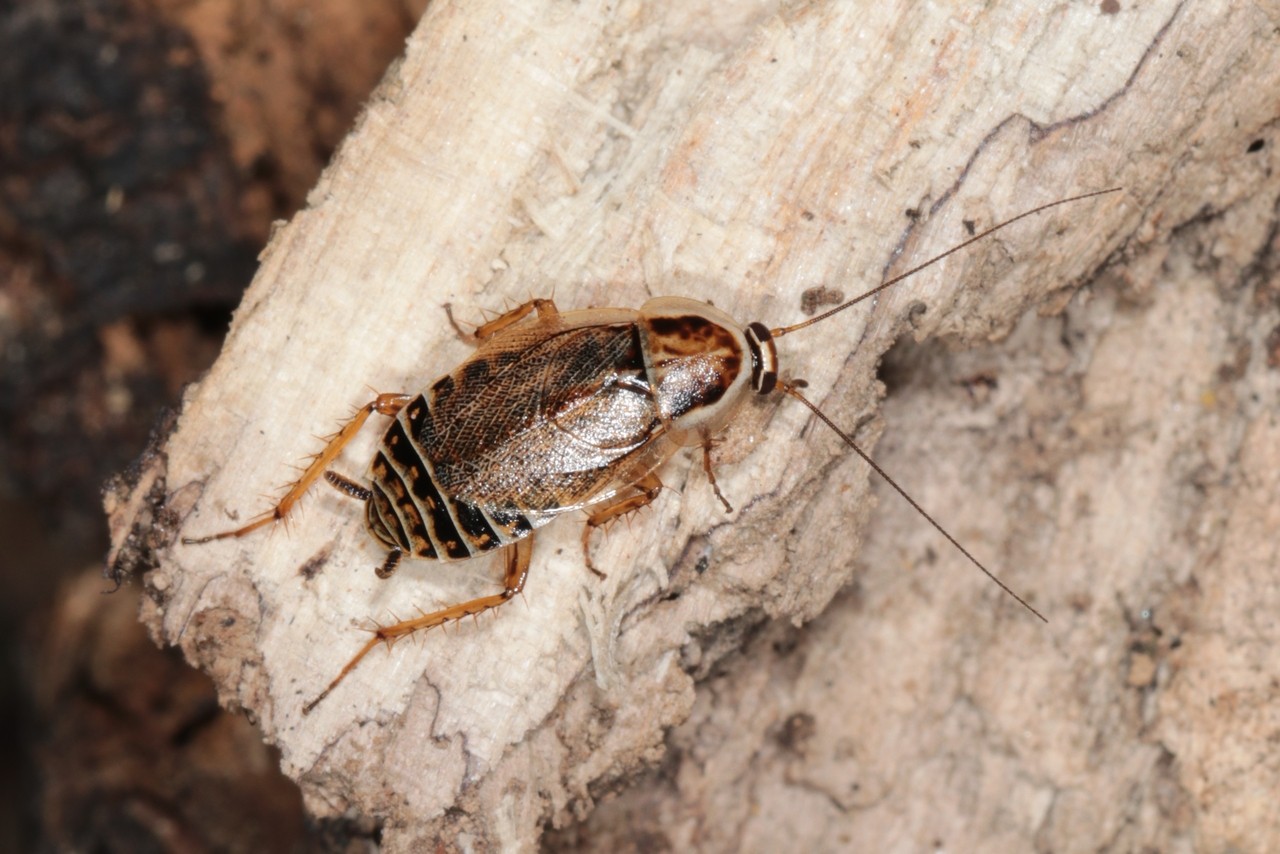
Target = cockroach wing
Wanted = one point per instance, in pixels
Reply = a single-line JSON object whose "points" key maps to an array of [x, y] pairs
{"points": [[547, 416]]}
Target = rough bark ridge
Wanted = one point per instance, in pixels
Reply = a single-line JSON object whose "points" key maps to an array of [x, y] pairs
{"points": [[1117, 460]]}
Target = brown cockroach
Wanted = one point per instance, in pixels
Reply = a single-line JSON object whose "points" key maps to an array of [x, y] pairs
{"points": [[556, 412]]}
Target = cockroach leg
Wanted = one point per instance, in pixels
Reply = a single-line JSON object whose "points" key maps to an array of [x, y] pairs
{"points": [[347, 486], [545, 308], [516, 557], [649, 487], [707, 444], [383, 404]]}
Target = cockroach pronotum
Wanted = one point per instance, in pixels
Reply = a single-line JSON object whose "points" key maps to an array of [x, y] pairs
{"points": [[560, 411]]}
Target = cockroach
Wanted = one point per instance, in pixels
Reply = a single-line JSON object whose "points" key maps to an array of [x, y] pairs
{"points": [[559, 411]]}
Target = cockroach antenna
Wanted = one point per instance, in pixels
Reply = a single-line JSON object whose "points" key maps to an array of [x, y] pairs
{"points": [[793, 392], [779, 331]]}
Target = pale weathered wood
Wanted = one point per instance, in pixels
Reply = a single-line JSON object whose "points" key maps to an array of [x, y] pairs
{"points": [[605, 154]]}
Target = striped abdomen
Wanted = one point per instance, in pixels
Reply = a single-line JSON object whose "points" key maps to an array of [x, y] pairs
{"points": [[409, 511]]}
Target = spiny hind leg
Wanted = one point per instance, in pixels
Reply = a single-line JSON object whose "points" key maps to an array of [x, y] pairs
{"points": [[383, 404], [516, 557], [649, 486]]}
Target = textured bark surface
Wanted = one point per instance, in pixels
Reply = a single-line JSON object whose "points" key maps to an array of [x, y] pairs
{"points": [[1113, 455]]}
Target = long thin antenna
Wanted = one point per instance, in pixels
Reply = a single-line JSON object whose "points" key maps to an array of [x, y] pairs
{"points": [[791, 390], [786, 330]]}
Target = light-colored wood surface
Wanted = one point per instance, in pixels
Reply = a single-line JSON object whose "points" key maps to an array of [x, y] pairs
{"points": [[608, 153]]}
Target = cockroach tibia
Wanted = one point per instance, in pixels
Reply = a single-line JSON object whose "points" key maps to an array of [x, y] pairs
{"points": [[558, 411]]}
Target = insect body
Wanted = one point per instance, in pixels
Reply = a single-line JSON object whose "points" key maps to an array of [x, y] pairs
{"points": [[551, 414], [556, 412]]}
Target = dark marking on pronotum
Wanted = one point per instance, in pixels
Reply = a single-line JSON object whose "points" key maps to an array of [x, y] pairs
{"points": [[698, 331]]}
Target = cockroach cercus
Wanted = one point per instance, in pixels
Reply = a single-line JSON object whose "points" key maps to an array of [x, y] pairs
{"points": [[558, 411]]}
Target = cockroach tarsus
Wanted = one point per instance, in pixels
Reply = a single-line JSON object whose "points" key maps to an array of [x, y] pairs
{"points": [[557, 412]]}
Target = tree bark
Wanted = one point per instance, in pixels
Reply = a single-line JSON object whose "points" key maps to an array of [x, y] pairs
{"points": [[1112, 455]]}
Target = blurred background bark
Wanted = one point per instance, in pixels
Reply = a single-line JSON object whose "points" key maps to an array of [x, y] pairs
{"points": [[145, 150]]}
